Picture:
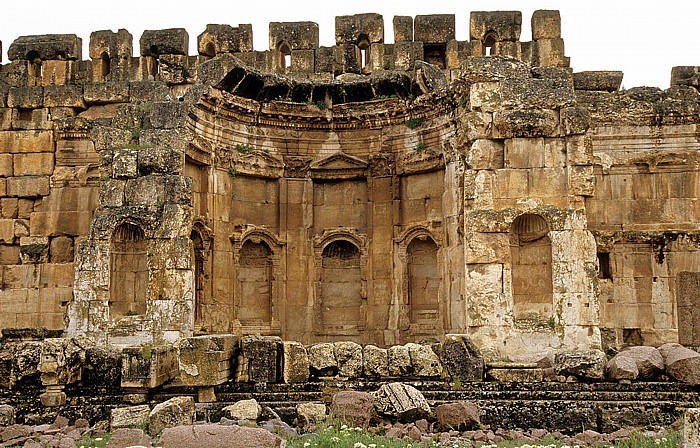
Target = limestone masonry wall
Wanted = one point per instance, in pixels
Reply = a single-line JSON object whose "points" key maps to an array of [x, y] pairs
{"points": [[377, 193]]}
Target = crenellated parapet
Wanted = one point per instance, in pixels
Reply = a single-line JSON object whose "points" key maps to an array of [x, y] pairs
{"points": [[294, 49]]}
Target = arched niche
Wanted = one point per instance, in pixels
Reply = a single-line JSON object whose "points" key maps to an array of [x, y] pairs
{"points": [[531, 267], [128, 287], [421, 310], [259, 279], [340, 287]]}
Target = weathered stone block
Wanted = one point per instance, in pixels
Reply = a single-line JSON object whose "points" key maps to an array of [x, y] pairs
{"points": [[685, 76], [218, 39], [462, 358], [537, 93], [406, 54], [399, 360], [550, 53], [26, 97], [262, 354], [124, 164], [322, 360], [505, 25], [7, 415], [64, 96], [375, 361], [524, 153], [399, 400], [424, 362], [298, 35], [167, 41], [295, 362], [690, 436], [178, 411], [576, 120], [356, 409], [243, 410], [303, 61], [608, 81], [403, 29], [206, 360], [105, 93], [33, 164], [349, 29], [526, 123], [546, 24], [26, 141], [62, 360], [348, 355], [510, 375], [46, 47], [486, 154], [311, 413], [493, 68], [434, 28], [34, 249], [588, 364], [148, 366]]}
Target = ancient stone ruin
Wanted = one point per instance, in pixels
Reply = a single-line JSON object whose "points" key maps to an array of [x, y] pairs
{"points": [[476, 195]]}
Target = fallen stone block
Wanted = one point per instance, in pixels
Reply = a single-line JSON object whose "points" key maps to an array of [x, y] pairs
{"points": [[219, 436], [401, 401], [460, 416], [177, 411], [354, 408]]}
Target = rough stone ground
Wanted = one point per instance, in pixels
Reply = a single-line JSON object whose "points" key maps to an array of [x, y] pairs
{"points": [[65, 434]]}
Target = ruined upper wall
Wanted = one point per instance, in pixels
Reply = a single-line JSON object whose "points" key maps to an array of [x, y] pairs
{"points": [[293, 49]]}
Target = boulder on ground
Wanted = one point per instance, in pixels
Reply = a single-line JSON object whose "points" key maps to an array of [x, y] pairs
{"points": [[130, 417], [311, 413], [7, 415], [622, 368], [128, 437], [584, 364], [354, 408], [682, 363], [401, 401], [177, 411], [218, 436], [243, 410], [649, 361], [460, 416]]}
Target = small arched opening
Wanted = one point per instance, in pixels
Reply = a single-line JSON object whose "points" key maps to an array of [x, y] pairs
{"points": [[255, 284], [490, 43], [531, 265], [106, 66], [34, 64], [128, 271], [363, 46], [285, 55], [209, 50]]}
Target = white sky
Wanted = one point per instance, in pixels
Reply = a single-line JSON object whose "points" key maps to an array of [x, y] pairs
{"points": [[642, 38]]}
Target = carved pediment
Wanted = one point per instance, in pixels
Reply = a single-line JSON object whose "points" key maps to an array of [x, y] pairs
{"points": [[339, 166], [419, 162], [260, 164]]}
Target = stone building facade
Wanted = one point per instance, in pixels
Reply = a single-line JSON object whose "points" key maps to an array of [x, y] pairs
{"points": [[372, 192]]}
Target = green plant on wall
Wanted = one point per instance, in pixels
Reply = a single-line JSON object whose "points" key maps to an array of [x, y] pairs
{"points": [[244, 148], [421, 147], [413, 123]]}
